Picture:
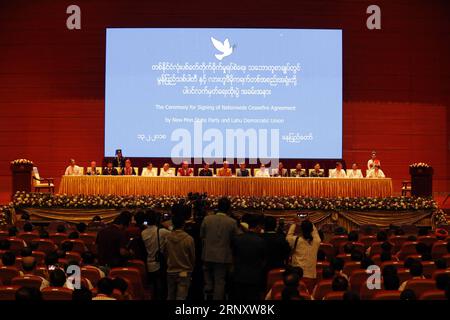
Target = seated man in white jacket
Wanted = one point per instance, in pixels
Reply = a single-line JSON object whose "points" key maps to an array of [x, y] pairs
{"points": [[338, 172], [263, 172], [376, 173], [354, 172], [166, 171]]}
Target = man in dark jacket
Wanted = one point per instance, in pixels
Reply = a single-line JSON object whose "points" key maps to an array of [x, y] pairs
{"points": [[249, 262], [277, 247]]}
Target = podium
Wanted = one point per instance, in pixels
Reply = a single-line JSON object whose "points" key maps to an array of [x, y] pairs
{"points": [[21, 177], [421, 181]]}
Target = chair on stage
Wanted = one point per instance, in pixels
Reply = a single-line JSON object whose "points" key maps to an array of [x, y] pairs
{"points": [[40, 184], [406, 187]]}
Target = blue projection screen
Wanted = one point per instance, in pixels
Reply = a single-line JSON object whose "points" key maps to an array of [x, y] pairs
{"points": [[206, 86]]}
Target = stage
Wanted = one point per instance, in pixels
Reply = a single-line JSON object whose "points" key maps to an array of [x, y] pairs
{"points": [[230, 186]]}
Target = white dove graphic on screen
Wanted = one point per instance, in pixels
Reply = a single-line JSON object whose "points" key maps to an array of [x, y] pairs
{"points": [[224, 48]]}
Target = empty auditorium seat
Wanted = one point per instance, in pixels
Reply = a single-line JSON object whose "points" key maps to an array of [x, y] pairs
{"points": [[439, 250], [39, 256], [45, 245], [346, 257], [16, 244], [7, 274], [323, 287], [28, 237], [408, 248], [367, 294], [336, 241], [357, 279], [420, 286], [140, 265], [78, 245], [133, 275], [56, 293], [438, 272], [367, 241], [387, 295], [57, 237], [397, 242], [428, 240], [73, 256], [8, 292], [428, 268], [328, 249], [403, 275], [91, 273], [27, 281], [338, 295], [433, 295], [351, 266]]}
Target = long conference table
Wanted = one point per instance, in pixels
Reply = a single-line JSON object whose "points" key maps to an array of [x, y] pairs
{"points": [[231, 186]]}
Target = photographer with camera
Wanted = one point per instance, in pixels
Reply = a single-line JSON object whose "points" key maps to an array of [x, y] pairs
{"points": [[304, 240]]}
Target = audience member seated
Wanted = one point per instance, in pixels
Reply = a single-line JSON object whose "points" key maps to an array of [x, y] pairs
{"points": [[337, 265], [28, 294], [408, 295], [317, 173], [88, 259], [338, 172], [9, 260], [416, 271], [166, 171], [281, 171], [82, 294], [96, 224], [263, 172], [105, 289], [225, 171], [122, 286], [339, 283], [29, 267], [109, 170], [298, 171], [354, 172], [73, 169], [184, 170], [57, 278], [376, 173], [92, 169], [242, 171], [205, 171], [128, 169]]}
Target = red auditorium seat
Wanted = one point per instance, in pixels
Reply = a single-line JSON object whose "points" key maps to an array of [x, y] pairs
{"points": [[336, 241], [339, 295], [408, 248], [91, 273], [376, 258], [78, 245], [398, 264], [45, 245], [53, 226], [116, 294], [439, 250], [357, 279], [356, 245], [133, 275], [303, 295], [57, 237], [367, 294], [73, 256], [16, 244], [414, 256], [403, 275], [419, 286], [18, 263], [438, 272], [56, 293], [7, 274], [387, 295], [27, 281], [367, 241], [4, 235], [28, 237], [88, 238], [278, 286], [351, 266], [322, 288], [433, 295], [346, 257], [8, 292], [319, 267], [273, 276], [40, 256], [41, 271], [328, 249], [428, 240], [446, 257], [397, 242], [428, 268], [375, 248], [140, 265]]}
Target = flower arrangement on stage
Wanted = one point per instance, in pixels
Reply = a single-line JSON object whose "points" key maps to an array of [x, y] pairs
{"points": [[419, 165], [439, 218], [46, 200], [21, 161]]}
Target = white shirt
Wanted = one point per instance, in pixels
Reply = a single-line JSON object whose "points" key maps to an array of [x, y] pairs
{"points": [[338, 174], [374, 174], [151, 244], [148, 173], [371, 163], [354, 173], [168, 173], [73, 171], [262, 173]]}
